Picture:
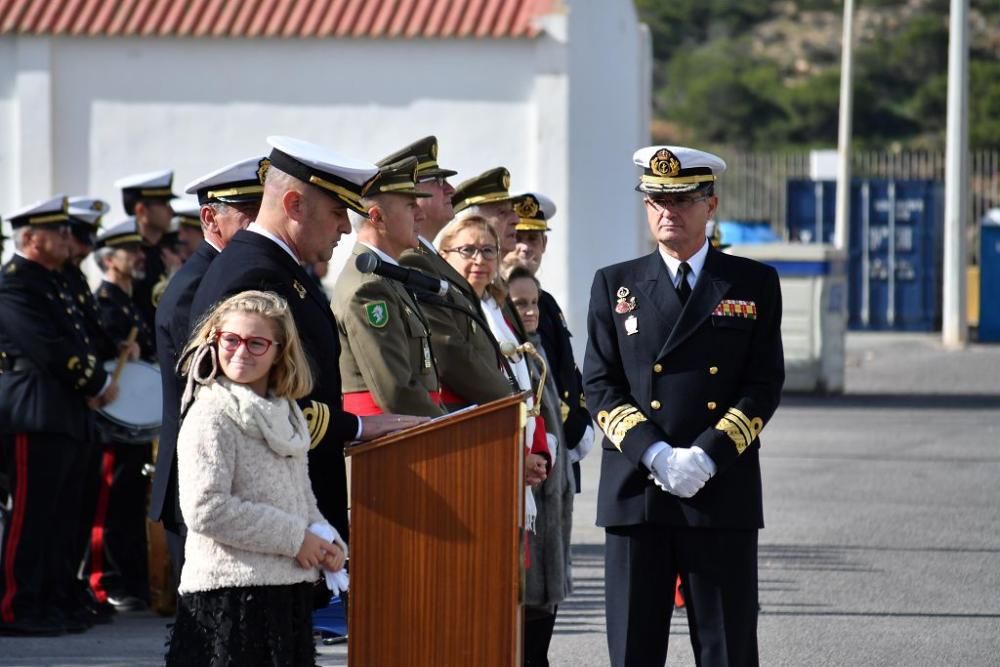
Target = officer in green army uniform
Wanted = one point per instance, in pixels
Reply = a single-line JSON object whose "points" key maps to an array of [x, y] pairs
{"points": [[467, 363], [386, 362]]}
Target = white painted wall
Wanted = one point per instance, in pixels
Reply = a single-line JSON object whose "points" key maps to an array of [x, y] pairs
{"points": [[563, 112]]}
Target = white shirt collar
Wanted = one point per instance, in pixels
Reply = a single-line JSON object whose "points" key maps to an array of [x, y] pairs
{"points": [[381, 255], [217, 248], [696, 262], [257, 229], [428, 244]]}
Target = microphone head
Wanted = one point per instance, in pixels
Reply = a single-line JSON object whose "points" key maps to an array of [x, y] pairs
{"points": [[508, 349], [366, 262]]}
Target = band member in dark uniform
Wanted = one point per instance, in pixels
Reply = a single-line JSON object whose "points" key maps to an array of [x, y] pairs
{"points": [[147, 197], [85, 216], [229, 200], [50, 379], [118, 560], [303, 214], [684, 367]]}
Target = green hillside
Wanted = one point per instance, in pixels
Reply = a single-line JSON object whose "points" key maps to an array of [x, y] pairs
{"points": [[764, 75]]}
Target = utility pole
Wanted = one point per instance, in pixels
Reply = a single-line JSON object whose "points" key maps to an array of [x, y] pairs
{"points": [[954, 328], [842, 218]]}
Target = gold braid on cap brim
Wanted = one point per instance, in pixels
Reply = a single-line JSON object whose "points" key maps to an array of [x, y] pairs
{"points": [[677, 180]]}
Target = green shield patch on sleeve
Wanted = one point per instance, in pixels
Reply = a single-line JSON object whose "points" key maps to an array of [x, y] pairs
{"points": [[377, 313]]}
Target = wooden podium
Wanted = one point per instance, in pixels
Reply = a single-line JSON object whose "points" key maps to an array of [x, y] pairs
{"points": [[436, 549]]}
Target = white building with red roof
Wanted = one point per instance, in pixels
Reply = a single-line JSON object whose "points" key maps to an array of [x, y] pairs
{"points": [[555, 90]]}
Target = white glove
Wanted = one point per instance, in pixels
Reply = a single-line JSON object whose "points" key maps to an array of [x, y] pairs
{"points": [[338, 582], [682, 471], [583, 447]]}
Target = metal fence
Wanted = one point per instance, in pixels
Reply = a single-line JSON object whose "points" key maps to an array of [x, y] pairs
{"points": [[754, 185]]}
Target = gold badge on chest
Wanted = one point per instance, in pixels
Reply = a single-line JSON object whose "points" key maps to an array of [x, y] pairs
{"points": [[299, 289]]}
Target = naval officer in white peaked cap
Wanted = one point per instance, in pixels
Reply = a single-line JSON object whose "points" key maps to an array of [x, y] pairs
{"points": [[307, 191]]}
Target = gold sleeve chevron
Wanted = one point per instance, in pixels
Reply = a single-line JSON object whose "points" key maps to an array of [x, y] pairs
{"points": [[741, 429], [617, 423], [318, 417]]}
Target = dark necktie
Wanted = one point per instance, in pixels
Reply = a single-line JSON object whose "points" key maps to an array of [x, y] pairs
{"points": [[683, 287]]}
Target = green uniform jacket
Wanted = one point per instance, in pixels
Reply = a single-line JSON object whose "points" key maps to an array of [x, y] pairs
{"points": [[467, 362], [385, 345]]}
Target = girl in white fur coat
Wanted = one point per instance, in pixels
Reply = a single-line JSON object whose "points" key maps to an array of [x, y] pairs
{"points": [[250, 557]]}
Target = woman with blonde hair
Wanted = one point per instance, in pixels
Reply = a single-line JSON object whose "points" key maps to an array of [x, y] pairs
{"points": [[251, 554]]}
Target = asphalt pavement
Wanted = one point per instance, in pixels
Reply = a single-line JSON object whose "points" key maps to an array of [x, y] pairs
{"points": [[882, 538]]}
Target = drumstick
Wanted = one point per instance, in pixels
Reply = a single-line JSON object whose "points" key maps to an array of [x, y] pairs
{"points": [[123, 355]]}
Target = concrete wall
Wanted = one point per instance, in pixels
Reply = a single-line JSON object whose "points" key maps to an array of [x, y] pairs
{"points": [[563, 112]]}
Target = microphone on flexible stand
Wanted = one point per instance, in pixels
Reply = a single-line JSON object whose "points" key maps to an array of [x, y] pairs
{"points": [[370, 263], [436, 300]]}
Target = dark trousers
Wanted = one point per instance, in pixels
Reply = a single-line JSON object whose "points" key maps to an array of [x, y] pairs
{"points": [[718, 570], [33, 570], [118, 557], [538, 627]]}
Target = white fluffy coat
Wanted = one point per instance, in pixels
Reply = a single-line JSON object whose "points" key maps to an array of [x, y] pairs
{"points": [[244, 489]]}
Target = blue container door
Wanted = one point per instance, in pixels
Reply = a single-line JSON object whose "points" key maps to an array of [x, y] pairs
{"points": [[989, 278], [895, 256], [811, 207]]}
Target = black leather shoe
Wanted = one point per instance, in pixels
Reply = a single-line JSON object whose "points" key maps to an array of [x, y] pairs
{"points": [[101, 612], [32, 627], [126, 603], [74, 620]]}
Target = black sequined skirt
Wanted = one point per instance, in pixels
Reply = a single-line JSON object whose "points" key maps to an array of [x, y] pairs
{"points": [[256, 626]]}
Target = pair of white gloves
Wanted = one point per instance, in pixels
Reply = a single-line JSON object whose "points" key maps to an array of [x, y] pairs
{"points": [[681, 471]]}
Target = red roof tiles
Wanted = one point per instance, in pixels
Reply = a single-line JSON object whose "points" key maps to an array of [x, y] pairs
{"points": [[429, 19]]}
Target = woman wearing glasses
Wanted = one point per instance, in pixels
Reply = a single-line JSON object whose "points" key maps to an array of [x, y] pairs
{"points": [[472, 247], [251, 555]]}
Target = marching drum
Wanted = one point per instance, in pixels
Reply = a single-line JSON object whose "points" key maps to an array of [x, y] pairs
{"points": [[135, 416]]}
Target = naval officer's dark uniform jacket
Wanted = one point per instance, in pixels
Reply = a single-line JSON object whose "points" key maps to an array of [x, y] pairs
{"points": [[556, 339], [708, 374], [47, 371], [252, 261], [173, 328], [466, 358]]}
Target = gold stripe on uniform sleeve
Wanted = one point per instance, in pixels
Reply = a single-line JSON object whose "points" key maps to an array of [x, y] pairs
{"points": [[741, 429], [318, 418], [617, 423]]}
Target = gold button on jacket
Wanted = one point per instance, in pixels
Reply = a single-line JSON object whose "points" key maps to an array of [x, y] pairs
{"points": [[655, 405]]}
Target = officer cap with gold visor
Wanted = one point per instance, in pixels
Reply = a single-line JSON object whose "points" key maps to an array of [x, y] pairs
{"points": [[425, 151], [676, 169]]}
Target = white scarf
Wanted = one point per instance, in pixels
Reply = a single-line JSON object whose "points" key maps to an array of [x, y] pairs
{"points": [[503, 333]]}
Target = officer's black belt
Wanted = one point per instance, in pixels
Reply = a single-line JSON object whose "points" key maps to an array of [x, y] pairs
{"points": [[19, 364]]}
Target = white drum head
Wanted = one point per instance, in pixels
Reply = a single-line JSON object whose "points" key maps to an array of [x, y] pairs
{"points": [[140, 396]]}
